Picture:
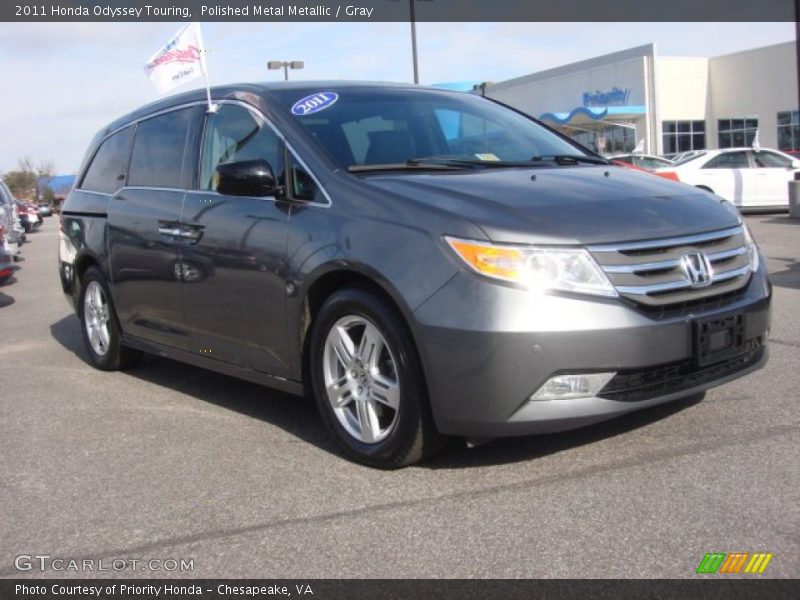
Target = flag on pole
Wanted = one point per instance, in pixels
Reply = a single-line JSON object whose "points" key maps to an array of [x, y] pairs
{"points": [[181, 60]]}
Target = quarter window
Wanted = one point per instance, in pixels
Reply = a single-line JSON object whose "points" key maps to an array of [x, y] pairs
{"points": [[303, 185], [106, 173], [233, 134], [736, 133], [728, 160], [158, 150], [789, 130]]}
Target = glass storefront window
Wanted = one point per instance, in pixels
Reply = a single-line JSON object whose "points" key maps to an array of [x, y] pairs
{"points": [[789, 130], [679, 136], [738, 132], [610, 140]]}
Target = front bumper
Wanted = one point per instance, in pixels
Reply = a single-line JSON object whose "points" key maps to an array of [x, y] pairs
{"points": [[487, 348]]}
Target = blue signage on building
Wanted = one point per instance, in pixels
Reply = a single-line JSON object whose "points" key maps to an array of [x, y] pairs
{"points": [[616, 97]]}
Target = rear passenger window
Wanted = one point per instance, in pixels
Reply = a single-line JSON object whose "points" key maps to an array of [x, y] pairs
{"points": [[769, 160], [158, 150], [729, 160], [234, 134], [106, 172]]}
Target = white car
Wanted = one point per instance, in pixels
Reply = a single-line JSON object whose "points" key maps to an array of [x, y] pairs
{"points": [[747, 177], [9, 222]]}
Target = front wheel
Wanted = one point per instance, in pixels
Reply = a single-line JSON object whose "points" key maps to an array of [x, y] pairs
{"points": [[99, 325], [368, 382]]}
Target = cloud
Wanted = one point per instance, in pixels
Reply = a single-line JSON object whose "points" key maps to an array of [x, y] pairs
{"points": [[64, 81]]}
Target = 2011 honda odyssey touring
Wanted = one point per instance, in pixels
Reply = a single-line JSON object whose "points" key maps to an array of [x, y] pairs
{"points": [[425, 263]]}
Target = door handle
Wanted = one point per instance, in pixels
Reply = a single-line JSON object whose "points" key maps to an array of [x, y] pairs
{"points": [[188, 234], [170, 231]]}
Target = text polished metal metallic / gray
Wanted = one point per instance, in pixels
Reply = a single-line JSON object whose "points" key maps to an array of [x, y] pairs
{"points": [[423, 262]]}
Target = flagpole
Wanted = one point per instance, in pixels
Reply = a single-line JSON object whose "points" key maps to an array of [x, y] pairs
{"points": [[212, 108]]}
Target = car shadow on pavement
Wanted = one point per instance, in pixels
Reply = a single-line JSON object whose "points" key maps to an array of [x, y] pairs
{"points": [[503, 451], [296, 415], [5, 299], [788, 277], [299, 417], [782, 220]]}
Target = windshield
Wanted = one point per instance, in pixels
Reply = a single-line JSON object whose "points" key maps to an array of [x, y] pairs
{"points": [[377, 126]]}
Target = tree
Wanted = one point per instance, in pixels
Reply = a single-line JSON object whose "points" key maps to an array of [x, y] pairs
{"points": [[29, 181]]}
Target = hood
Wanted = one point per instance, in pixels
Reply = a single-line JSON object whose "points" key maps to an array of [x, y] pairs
{"points": [[565, 205]]}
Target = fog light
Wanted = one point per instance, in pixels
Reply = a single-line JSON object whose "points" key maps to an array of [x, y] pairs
{"points": [[570, 387]]}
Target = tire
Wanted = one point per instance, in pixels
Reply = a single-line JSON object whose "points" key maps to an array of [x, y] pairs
{"points": [[382, 386], [100, 329]]}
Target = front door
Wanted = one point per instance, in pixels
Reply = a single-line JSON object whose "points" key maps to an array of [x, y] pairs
{"points": [[142, 216], [233, 261]]}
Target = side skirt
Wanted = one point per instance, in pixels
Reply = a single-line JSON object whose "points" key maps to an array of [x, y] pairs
{"points": [[279, 383]]}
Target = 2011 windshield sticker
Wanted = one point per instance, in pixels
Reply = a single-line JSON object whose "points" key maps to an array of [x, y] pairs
{"points": [[314, 103]]}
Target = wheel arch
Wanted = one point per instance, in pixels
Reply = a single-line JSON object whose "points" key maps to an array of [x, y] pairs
{"points": [[331, 279]]}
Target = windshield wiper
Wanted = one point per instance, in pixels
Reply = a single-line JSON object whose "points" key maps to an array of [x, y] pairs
{"points": [[410, 165], [475, 163], [443, 163], [570, 159]]}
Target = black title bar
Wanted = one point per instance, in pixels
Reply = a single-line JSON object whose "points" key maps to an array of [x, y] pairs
{"points": [[400, 10], [735, 588]]}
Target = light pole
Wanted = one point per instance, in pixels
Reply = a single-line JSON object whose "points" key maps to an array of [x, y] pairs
{"points": [[413, 16], [274, 65]]}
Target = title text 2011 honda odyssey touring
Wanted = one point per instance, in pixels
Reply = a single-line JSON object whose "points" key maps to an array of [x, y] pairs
{"points": [[426, 263]]}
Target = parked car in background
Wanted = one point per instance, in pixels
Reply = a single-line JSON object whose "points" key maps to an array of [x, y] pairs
{"points": [[45, 209], [683, 156], [9, 221], [425, 263], [29, 216], [7, 266], [750, 178], [647, 162]]}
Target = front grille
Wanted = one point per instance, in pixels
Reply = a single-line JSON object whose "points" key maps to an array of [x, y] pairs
{"points": [[641, 384], [650, 274]]}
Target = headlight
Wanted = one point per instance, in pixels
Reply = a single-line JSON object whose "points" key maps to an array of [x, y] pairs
{"points": [[538, 269], [752, 248]]}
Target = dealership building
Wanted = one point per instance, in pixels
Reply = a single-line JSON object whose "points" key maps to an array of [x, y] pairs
{"points": [[662, 105]]}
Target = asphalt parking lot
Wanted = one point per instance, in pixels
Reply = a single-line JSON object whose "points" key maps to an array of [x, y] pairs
{"points": [[173, 462]]}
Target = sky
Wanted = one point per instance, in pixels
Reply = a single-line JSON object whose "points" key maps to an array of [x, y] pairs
{"points": [[62, 82]]}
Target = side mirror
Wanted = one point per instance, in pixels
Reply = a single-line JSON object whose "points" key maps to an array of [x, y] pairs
{"points": [[246, 178]]}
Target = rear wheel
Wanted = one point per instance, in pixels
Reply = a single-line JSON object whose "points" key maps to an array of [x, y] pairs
{"points": [[99, 326], [368, 382]]}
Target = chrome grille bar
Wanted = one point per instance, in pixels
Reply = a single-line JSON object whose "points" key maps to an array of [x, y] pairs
{"points": [[668, 243], [671, 263], [650, 272]]}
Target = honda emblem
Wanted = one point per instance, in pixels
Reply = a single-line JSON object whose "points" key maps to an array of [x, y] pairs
{"points": [[697, 268]]}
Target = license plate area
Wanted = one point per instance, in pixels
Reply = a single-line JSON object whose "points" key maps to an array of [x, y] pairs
{"points": [[719, 339]]}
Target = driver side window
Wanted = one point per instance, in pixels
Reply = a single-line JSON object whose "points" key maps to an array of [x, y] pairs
{"points": [[233, 134]]}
